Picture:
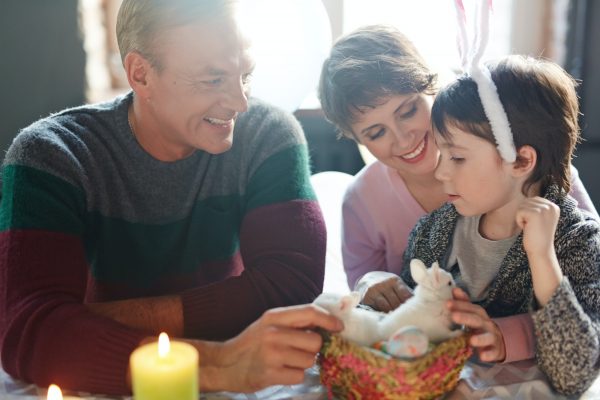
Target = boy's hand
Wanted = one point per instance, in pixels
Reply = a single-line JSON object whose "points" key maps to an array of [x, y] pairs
{"points": [[487, 338], [538, 217], [383, 291]]}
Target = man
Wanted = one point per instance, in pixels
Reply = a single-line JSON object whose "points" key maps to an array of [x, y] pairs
{"points": [[142, 215]]}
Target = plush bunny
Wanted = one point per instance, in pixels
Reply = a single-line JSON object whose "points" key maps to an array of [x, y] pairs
{"points": [[427, 308], [360, 325]]}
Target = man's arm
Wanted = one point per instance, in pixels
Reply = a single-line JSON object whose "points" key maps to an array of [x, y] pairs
{"points": [[152, 314], [282, 245], [47, 334]]}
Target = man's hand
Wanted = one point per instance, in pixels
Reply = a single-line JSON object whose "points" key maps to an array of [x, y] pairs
{"points": [[383, 291], [274, 350], [487, 338]]}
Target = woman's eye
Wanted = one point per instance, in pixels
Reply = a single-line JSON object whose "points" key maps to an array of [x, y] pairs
{"points": [[377, 134], [410, 112], [457, 159]]}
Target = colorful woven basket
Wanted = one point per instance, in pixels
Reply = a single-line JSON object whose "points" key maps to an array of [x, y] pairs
{"points": [[350, 371]]}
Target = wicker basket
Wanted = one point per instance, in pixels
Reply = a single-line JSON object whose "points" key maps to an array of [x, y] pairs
{"points": [[350, 371]]}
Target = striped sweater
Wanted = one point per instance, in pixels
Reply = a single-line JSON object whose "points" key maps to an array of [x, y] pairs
{"points": [[567, 328], [88, 216]]}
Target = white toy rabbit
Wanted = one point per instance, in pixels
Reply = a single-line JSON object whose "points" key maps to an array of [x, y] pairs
{"points": [[427, 308], [360, 325]]}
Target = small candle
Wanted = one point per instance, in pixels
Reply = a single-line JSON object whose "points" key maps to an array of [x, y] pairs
{"points": [[54, 393], [164, 371]]}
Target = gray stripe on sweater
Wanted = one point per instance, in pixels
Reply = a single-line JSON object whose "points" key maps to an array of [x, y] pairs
{"points": [[92, 147]]}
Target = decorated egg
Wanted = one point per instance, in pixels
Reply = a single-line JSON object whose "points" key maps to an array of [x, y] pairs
{"points": [[407, 342]]}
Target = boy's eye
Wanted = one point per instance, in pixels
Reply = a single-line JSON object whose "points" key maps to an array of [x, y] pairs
{"points": [[457, 159]]}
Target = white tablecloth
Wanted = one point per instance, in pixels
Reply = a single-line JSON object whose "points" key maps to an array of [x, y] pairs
{"points": [[520, 381]]}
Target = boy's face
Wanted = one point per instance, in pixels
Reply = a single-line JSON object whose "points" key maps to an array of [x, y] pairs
{"points": [[398, 133], [475, 178]]}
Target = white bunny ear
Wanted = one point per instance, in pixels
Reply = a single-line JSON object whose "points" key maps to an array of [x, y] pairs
{"points": [[418, 270], [488, 92]]}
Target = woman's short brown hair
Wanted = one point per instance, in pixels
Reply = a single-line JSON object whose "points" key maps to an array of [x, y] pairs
{"points": [[367, 66]]}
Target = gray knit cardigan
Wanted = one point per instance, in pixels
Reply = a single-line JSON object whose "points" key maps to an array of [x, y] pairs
{"points": [[567, 329]]}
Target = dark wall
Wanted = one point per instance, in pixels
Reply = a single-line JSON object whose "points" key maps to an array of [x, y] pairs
{"points": [[42, 62], [327, 152], [583, 62]]}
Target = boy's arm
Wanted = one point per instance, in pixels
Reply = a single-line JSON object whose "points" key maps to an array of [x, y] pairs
{"points": [[518, 335], [567, 325]]}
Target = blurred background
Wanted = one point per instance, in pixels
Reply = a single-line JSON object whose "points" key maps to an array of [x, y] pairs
{"points": [[62, 53]]}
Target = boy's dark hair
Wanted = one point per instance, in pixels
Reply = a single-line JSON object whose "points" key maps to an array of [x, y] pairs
{"points": [[366, 66], [541, 103]]}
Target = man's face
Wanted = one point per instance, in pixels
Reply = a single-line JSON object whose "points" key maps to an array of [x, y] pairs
{"points": [[202, 86]]}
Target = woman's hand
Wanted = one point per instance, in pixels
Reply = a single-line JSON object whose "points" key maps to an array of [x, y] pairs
{"points": [[487, 338], [383, 291]]}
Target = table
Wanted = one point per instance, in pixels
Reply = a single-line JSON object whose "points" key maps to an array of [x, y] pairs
{"points": [[522, 381]]}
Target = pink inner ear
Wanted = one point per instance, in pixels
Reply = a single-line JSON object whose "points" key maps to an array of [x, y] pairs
{"points": [[436, 277], [345, 303]]}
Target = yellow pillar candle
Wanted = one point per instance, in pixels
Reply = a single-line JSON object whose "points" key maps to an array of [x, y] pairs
{"points": [[164, 371]]}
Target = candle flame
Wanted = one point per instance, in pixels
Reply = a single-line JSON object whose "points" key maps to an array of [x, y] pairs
{"points": [[163, 345], [54, 393]]}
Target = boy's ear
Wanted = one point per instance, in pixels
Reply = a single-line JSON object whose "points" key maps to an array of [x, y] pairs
{"points": [[526, 161]]}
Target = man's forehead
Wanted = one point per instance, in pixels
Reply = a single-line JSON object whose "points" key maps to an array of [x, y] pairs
{"points": [[208, 48]]}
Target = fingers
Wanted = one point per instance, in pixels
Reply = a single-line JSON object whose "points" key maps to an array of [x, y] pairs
{"points": [[489, 346], [302, 316], [376, 299], [466, 307], [460, 294], [387, 295]]}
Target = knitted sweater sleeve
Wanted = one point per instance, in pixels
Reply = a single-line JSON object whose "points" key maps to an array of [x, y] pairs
{"points": [[568, 328], [46, 333]]}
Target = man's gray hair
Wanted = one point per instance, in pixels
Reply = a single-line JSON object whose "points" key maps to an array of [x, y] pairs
{"points": [[140, 21]]}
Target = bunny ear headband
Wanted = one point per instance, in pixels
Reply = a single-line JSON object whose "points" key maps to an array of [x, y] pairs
{"points": [[472, 65]]}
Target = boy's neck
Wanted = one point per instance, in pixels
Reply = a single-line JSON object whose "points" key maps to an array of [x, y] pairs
{"points": [[501, 223]]}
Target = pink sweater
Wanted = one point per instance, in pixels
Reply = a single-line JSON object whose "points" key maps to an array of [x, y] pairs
{"points": [[378, 214]]}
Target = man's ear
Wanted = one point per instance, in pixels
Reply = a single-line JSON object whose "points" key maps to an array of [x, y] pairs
{"points": [[525, 162], [138, 69]]}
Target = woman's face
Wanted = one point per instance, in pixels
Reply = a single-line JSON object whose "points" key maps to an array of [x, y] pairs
{"points": [[398, 133]]}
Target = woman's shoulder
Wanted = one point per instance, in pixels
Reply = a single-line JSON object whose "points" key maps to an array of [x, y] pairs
{"points": [[373, 180]]}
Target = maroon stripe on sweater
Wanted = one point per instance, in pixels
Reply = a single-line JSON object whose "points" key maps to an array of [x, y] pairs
{"points": [[283, 250], [46, 333]]}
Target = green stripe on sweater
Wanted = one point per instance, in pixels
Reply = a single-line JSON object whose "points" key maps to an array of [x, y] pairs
{"points": [[33, 199], [284, 176]]}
